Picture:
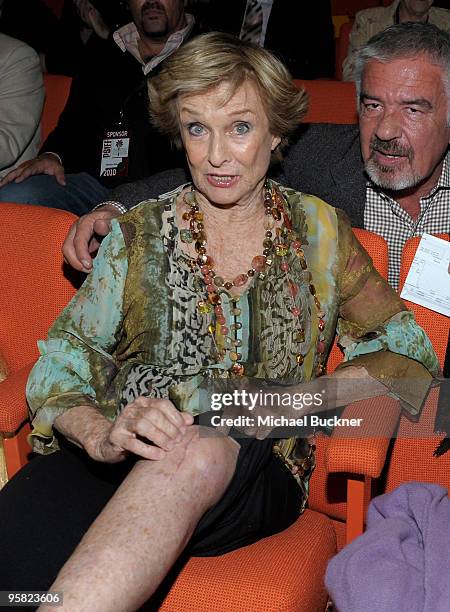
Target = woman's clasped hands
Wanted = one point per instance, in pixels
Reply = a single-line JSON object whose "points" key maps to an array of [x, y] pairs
{"points": [[146, 427]]}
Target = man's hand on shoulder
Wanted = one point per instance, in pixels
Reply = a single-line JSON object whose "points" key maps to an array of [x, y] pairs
{"points": [[85, 235], [47, 163]]}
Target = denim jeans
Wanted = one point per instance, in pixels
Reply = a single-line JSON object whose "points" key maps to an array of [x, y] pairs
{"points": [[79, 196]]}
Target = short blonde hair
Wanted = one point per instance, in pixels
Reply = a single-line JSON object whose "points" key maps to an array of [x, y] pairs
{"points": [[211, 59]]}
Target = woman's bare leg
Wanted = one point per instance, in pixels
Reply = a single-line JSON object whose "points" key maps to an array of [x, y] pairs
{"points": [[138, 536]]}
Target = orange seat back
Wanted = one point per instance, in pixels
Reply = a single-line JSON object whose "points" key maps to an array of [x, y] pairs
{"points": [[57, 88], [330, 101], [435, 324], [33, 286], [377, 248]]}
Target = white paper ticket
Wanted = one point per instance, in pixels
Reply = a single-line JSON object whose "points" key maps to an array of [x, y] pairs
{"points": [[428, 280]]}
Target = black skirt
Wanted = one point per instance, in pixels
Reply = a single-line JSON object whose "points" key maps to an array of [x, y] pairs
{"points": [[49, 505]]}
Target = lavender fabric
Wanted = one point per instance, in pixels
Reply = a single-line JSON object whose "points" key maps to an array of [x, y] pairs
{"points": [[402, 561]]}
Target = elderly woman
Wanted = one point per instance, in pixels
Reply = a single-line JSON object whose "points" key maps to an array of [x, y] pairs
{"points": [[231, 275]]}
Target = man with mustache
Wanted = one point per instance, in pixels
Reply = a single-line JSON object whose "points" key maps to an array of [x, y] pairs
{"points": [[391, 176], [103, 137]]}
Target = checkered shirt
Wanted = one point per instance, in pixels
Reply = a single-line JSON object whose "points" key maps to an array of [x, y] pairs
{"points": [[385, 216]]}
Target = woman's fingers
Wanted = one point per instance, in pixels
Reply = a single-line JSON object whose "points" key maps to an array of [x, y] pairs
{"points": [[187, 418], [145, 428], [161, 414], [154, 420], [144, 450]]}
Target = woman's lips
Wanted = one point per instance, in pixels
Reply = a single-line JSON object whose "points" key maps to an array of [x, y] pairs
{"points": [[223, 181]]}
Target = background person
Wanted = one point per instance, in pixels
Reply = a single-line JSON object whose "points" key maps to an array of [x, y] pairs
{"points": [[305, 45], [21, 102], [103, 137], [396, 174], [369, 22], [232, 274], [81, 21]]}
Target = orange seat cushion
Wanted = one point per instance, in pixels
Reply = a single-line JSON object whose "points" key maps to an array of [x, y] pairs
{"points": [[283, 573]]}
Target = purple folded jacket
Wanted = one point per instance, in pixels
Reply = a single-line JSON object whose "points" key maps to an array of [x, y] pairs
{"points": [[402, 562]]}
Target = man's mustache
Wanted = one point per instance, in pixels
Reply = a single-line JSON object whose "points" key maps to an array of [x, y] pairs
{"points": [[153, 4], [391, 147]]}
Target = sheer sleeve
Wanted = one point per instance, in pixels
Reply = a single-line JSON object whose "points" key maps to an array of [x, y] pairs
{"points": [[76, 366], [376, 330]]}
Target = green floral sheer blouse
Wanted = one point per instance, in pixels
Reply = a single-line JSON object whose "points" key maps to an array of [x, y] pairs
{"points": [[135, 325]]}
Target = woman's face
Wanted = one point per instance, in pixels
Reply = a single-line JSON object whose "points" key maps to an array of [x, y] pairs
{"points": [[228, 143]]}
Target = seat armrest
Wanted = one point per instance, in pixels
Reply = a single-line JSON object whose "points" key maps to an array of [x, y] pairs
{"points": [[362, 449], [13, 403]]}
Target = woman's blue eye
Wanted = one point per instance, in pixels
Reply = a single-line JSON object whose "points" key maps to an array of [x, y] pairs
{"points": [[242, 128], [195, 129]]}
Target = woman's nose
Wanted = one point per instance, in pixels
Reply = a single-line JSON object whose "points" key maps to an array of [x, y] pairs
{"points": [[218, 152]]}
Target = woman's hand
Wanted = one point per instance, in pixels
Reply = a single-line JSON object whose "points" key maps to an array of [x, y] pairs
{"points": [[146, 427]]}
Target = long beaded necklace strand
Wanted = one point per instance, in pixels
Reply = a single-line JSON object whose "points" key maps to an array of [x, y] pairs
{"points": [[216, 286]]}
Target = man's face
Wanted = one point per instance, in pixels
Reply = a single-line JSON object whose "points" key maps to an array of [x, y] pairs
{"points": [[157, 18], [417, 7], [403, 122]]}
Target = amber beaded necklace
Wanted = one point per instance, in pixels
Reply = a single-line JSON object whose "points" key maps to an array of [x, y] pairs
{"points": [[216, 286]]}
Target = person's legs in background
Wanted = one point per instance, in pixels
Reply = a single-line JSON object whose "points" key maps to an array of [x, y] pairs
{"points": [[81, 193]]}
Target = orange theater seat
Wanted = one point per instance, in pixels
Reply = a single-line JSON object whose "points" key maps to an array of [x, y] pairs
{"points": [[409, 457], [34, 289], [57, 88], [412, 454], [283, 573], [377, 247], [435, 324], [332, 489], [330, 101], [280, 573]]}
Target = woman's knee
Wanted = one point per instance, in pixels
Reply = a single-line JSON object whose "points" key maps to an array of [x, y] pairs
{"points": [[211, 461]]}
